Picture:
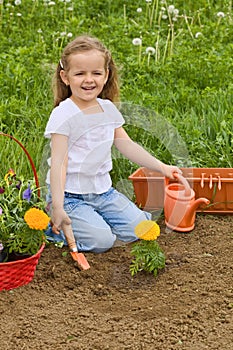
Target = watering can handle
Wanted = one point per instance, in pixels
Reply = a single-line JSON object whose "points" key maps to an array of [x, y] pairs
{"points": [[184, 182]]}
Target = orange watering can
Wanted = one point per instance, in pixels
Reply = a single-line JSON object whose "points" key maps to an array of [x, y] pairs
{"points": [[180, 205]]}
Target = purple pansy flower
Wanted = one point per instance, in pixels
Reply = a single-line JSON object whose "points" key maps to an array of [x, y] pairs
{"points": [[27, 194], [19, 184]]}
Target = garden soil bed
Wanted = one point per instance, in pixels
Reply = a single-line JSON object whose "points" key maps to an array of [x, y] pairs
{"points": [[189, 306]]}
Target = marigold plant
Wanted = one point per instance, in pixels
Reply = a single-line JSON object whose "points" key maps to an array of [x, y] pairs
{"points": [[148, 255]]}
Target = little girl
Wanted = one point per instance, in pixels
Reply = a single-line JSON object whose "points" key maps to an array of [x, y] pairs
{"points": [[82, 127]]}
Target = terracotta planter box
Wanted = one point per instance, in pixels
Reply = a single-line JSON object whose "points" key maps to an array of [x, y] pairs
{"points": [[215, 184]]}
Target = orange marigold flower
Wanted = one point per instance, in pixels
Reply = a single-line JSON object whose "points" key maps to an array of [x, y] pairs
{"points": [[36, 219], [147, 230]]}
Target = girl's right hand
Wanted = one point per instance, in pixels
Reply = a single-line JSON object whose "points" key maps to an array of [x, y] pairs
{"points": [[59, 218]]}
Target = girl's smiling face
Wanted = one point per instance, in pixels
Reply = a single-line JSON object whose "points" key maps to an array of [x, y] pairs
{"points": [[86, 77]]}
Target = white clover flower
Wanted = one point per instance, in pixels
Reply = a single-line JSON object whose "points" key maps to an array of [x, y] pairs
{"points": [[164, 16], [19, 14], [39, 31], [69, 35], [171, 8], [17, 2], [176, 12], [221, 14], [198, 34], [137, 41], [150, 50], [139, 10]]}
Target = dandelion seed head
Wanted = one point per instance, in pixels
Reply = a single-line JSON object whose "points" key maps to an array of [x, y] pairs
{"points": [[164, 16], [150, 50], [69, 35], [17, 2], [137, 41], [171, 8], [198, 34], [221, 14], [139, 10]]}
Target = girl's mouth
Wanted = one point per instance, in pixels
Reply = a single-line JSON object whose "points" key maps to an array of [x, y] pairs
{"points": [[88, 88]]}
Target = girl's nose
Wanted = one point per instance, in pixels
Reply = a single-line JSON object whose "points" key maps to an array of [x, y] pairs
{"points": [[88, 77]]}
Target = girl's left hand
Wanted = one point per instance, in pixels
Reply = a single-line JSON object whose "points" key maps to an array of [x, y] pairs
{"points": [[169, 170]]}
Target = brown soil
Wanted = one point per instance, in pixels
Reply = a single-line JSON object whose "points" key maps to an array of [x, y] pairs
{"points": [[189, 306]]}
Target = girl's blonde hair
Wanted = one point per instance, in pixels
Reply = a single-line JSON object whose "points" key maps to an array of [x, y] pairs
{"points": [[80, 44]]}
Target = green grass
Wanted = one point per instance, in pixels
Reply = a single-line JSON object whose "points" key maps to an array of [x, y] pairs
{"points": [[178, 101]]}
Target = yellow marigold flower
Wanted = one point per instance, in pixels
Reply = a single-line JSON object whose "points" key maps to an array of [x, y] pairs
{"points": [[36, 219], [147, 230]]}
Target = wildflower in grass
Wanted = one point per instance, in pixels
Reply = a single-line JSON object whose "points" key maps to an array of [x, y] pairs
{"points": [[27, 193], [221, 14], [2, 190], [69, 35], [63, 34], [164, 16], [139, 10], [70, 8], [36, 219], [17, 2], [0, 211], [137, 41], [51, 3]]}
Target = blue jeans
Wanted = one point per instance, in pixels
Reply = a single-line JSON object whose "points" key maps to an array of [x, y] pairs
{"points": [[98, 219]]}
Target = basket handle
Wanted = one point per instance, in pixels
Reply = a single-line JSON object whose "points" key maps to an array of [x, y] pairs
{"points": [[29, 158]]}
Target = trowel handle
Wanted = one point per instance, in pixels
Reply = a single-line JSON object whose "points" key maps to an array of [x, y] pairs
{"points": [[68, 232], [184, 182]]}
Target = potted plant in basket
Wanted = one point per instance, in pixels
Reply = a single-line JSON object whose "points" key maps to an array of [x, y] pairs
{"points": [[22, 218]]}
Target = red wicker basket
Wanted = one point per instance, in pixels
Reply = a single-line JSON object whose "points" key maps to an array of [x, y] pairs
{"points": [[18, 273], [14, 274]]}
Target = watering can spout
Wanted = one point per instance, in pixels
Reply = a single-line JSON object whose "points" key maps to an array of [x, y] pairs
{"points": [[193, 207]]}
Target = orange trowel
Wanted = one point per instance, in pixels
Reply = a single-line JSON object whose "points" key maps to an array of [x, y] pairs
{"points": [[79, 258]]}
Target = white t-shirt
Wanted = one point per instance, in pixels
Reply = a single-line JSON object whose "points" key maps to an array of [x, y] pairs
{"points": [[90, 138]]}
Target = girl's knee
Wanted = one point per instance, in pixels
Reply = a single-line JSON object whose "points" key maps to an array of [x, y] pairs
{"points": [[99, 242]]}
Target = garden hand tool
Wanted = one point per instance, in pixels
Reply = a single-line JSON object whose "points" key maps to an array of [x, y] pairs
{"points": [[79, 258]]}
